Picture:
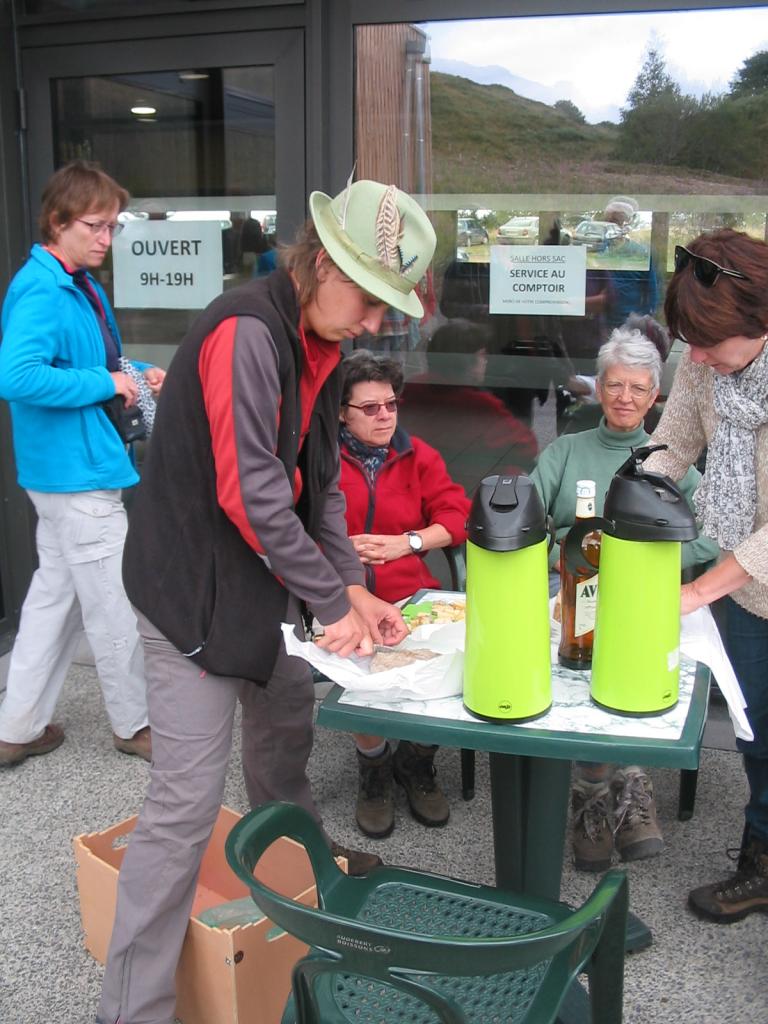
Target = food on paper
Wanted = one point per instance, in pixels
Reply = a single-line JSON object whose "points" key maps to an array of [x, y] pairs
{"points": [[428, 612], [382, 661]]}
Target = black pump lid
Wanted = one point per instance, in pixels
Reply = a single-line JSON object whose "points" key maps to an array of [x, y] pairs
{"points": [[507, 514], [641, 505]]}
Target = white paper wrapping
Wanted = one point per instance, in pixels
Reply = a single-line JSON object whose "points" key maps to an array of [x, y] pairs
{"points": [[423, 680], [700, 639]]}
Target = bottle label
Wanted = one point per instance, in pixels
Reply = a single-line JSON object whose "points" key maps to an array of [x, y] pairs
{"points": [[586, 606]]}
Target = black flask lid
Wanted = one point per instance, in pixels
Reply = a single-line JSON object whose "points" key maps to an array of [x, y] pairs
{"points": [[641, 505], [507, 514]]}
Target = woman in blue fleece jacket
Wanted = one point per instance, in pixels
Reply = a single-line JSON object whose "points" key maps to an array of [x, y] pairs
{"points": [[59, 360]]}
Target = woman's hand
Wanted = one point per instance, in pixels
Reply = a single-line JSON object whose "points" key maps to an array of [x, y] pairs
{"points": [[378, 548], [349, 635], [384, 620], [154, 376], [125, 386], [723, 579], [689, 599]]}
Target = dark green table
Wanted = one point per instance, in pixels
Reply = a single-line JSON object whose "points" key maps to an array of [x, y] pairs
{"points": [[530, 787], [530, 773]]}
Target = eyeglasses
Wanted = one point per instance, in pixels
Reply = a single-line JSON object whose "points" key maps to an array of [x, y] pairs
{"points": [[372, 408], [705, 271], [617, 387], [97, 226]]}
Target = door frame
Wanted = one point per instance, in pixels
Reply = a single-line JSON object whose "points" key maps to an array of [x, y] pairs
{"points": [[283, 49]]}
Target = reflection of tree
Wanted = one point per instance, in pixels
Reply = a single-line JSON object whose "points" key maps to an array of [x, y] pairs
{"points": [[752, 76], [661, 125], [656, 111], [653, 82], [570, 110]]}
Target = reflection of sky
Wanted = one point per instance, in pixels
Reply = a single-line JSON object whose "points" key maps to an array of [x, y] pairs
{"points": [[593, 60]]}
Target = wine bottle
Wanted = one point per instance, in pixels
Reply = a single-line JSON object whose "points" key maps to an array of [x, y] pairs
{"points": [[579, 591]]}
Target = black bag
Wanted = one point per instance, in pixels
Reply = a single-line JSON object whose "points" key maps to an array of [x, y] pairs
{"points": [[128, 422]]}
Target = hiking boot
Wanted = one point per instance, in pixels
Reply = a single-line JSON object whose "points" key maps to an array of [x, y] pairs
{"points": [[414, 770], [358, 861], [592, 832], [140, 743], [375, 810], [637, 832], [745, 892], [15, 753]]}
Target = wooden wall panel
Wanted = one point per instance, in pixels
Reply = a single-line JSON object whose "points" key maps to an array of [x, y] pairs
{"points": [[386, 142]]}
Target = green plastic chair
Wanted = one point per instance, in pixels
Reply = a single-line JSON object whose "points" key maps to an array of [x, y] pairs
{"points": [[405, 946]]}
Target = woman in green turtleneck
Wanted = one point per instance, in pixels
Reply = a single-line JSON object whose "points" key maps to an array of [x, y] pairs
{"points": [[628, 377], [611, 809]]}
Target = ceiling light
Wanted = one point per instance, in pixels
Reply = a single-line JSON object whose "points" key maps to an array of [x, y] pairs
{"points": [[193, 76], [143, 111]]}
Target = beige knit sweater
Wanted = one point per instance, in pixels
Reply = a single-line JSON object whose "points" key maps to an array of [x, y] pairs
{"points": [[687, 424]]}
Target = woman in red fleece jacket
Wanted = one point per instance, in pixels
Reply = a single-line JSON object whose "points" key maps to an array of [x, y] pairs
{"points": [[401, 503]]}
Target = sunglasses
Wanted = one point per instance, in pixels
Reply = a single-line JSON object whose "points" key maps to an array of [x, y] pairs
{"points": [[705, 271], [372, 408]]}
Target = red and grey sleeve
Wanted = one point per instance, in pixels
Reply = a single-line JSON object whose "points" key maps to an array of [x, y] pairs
{"points": [[238, 368]]}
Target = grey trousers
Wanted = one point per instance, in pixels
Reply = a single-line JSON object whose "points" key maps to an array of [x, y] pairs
{"points": [[191, 715]]}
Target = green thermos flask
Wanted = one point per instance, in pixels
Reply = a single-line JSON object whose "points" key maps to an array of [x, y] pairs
{"points": [[636, 655], [507, 669]]}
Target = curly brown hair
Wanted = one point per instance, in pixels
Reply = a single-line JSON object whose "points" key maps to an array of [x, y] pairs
{"points": [[732, 307]]}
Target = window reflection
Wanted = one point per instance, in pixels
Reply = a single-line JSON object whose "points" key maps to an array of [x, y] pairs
{"points": [[604, 132], [195, 145]]}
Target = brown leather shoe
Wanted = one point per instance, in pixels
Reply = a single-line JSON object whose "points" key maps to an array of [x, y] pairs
{"points": [[14, 753], [139, 744], [358, 861]]}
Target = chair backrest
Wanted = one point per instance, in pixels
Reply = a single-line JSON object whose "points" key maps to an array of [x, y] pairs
{"points": [[457, 566], [423, 934]]}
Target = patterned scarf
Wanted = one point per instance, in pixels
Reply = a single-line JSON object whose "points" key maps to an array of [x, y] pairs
{"points": [[726, 499], [146, 400], [371, 457]]}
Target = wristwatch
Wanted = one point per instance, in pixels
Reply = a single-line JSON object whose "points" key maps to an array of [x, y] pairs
{"points": [[415, 540]]}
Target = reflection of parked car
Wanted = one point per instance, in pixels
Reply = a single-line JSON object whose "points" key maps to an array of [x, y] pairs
{"points": [[595, 234], [519, 231], [470, 232]]}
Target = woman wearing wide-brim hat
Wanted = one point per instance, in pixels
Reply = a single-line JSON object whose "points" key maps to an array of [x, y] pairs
{"points": [[239, 524]]}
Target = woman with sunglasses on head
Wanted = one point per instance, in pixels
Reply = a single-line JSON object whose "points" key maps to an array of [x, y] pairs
{"points": [[717, 302], [401, 503]]}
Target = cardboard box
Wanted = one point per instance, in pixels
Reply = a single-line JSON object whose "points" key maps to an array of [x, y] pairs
{"points": [[225, 975]]}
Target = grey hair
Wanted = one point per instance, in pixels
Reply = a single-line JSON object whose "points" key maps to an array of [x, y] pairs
{"points": [[632, 349]]}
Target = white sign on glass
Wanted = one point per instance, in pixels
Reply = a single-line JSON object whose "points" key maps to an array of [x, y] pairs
{"points": [[540, 279], [162, 264]]}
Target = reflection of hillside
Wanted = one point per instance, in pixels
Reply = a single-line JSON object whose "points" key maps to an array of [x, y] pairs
{"points": [[486, 138]]}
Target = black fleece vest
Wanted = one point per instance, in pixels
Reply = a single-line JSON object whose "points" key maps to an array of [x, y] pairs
{"points": [[186, 566]]}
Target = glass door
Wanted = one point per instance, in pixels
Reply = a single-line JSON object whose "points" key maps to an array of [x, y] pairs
{"points": [[207, 135]]}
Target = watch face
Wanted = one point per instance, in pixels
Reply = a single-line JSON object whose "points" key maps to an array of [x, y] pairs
{"points": [[416, 542]]}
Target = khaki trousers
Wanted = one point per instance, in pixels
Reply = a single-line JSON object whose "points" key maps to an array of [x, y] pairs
{"points": [[191, 714], [78, 585]]}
